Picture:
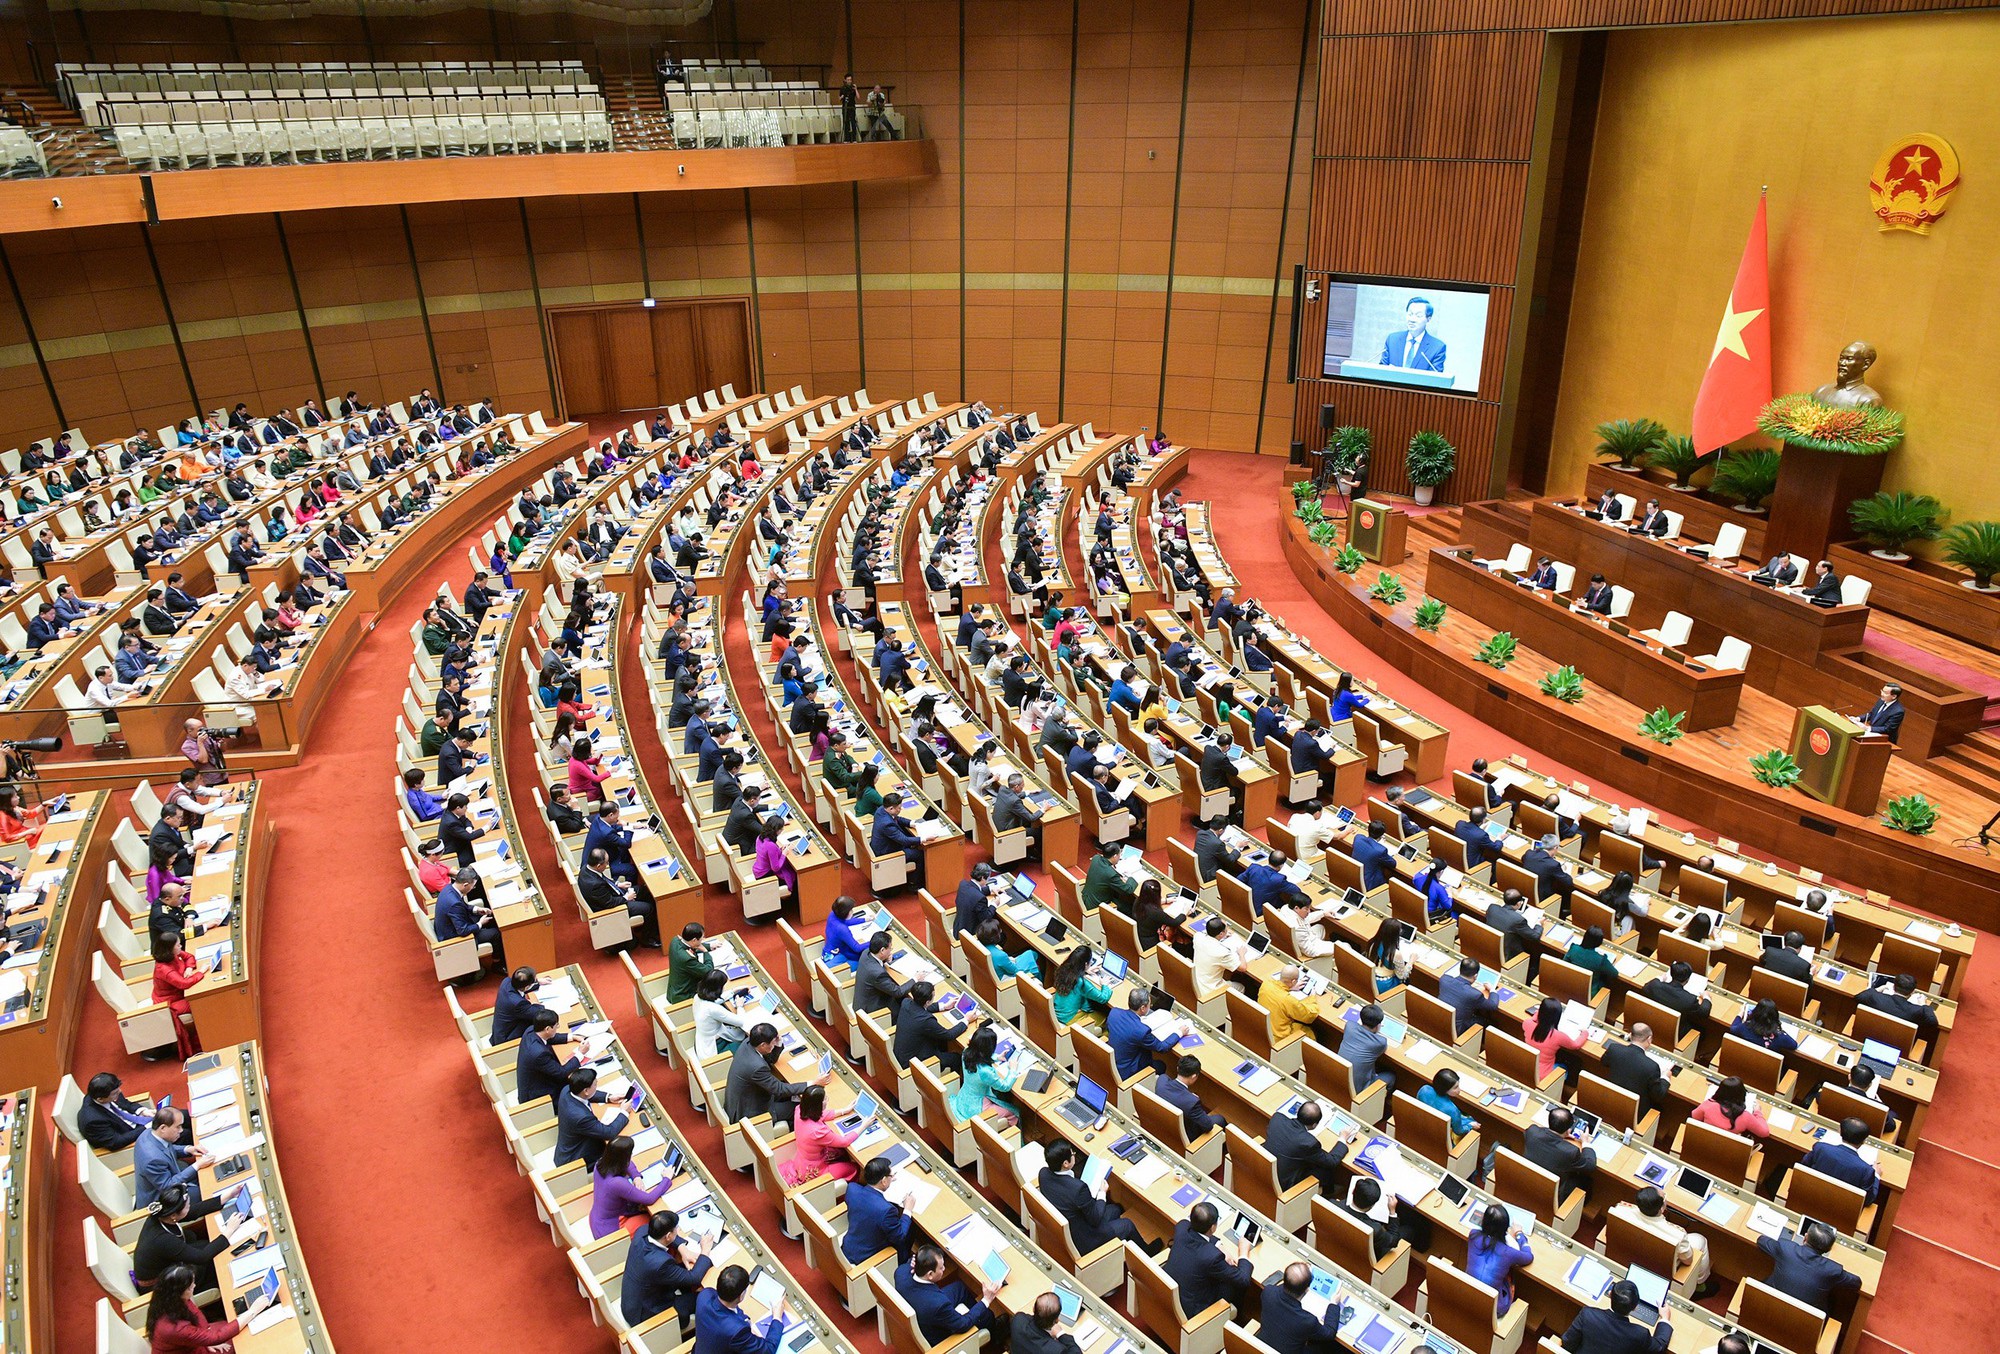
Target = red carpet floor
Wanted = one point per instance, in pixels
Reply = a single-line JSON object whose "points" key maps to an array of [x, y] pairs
{"points": [[417, 1229]]}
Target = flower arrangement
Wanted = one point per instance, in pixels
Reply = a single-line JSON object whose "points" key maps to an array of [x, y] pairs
{"points": [[1565, 684], [1775, 768], [1429, 615], [1802, 421], [1664, 727], [1910, 813], [1348, 560], [1499, 651], [1388, 588]]}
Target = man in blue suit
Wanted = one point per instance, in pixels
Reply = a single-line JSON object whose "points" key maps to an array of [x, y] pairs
{"points": [[1843, 1160], [892, 832], [1132, 1044], [657, 1273], [873, 1223], [1611, 1329], [616, 840], [159, 1160], [1177, 1089], [1376, 860], [1471, 1003], [540, 1073], [1196, 1264], [722, 1327], [580, 1134], [1286, 1324], [1416, 347], [1471, 829], [1804, 1270], [944, 1307]]}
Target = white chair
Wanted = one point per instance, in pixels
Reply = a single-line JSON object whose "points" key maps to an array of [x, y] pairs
{"points": [[1517, 559], [1854, 590], [1728, 542], [142, 1026], [1565, 576], [114, 1336], [1730, 656], [1674, 520], [1630, 505], [1621, 602], [1671, 632]]}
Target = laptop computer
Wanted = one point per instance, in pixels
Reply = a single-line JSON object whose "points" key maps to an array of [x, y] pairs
{"points": [[1114, 965], [1879, 1057], [1086, 1107], [1652, 1294]]}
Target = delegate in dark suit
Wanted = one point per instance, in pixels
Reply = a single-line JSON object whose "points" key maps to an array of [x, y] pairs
{"points": [[1629, 1066], [1300, 1156], [722, 1329], [1287, 1325], [1196, 1121], [1551, 879], [1799, 1271], [921, 1035], [1425, 353], [873, 1225], [1573, 1166], [1599, 1330], [538, 1072], [1200, 1271], [580, 1134], [1479, 848], [1843, 1163], [874, 989], [936, 1305], [656, 1279], [1469, 1006], [753, 1088], [1024, 1336], [1885, 718], [1377, 862], [1093, 1222]]}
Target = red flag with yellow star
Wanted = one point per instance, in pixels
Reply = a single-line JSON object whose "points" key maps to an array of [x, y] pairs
{"points": [[1737, 384]]}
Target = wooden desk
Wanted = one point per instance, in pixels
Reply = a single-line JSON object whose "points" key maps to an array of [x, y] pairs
{"points": [[1631, 667], [27, 1231], [235, 1075], [527, 930], [1721, 600], [37, 1042]]}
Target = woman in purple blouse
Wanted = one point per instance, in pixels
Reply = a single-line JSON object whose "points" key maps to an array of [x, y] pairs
{"points": [[617, 1200]]}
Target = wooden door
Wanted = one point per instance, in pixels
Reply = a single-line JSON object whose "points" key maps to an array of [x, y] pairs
{"points": [[579, 362], [676, 354], [627, 346], [724, 327]]}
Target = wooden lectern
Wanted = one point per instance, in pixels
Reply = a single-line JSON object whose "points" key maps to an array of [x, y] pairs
{"points": [[1378, 531], [1840, 762]]}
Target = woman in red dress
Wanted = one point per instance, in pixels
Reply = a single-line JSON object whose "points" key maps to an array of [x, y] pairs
{"points": [[20, 823], [174, 972], [174, 1325]]}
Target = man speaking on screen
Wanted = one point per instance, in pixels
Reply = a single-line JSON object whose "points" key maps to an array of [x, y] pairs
{"points": [[1415, 346]]}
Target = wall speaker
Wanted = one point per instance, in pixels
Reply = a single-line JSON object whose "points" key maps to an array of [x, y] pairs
{"points": [[1327, 415]]}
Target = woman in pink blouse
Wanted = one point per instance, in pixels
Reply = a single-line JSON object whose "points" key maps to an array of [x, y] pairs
{"points": [[1729, 1109], [815, 1143], [770, 859], [586, 771], [1541, 1031]]}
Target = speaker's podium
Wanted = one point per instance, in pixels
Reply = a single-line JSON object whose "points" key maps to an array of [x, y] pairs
{"points": [[1840, 762], [1379, 531]]}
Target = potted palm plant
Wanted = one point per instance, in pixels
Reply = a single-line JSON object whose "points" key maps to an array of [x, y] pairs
{"points": [[1429, 463], [1892, 521], [1748, 477], [1975, 546], [1677, 456], [1627, 440]]}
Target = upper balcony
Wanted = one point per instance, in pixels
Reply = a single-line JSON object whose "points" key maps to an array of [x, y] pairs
{"points": [[167, 139]]}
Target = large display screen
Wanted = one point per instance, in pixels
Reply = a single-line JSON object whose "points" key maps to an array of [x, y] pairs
{"points": [[1405, 333]]}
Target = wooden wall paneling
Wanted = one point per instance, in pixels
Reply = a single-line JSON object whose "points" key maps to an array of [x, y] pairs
{"points": [[232, 301], [360, 291], [480, 292], [28, 405]]}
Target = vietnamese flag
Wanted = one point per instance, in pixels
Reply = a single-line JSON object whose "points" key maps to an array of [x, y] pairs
{"points": [[1737, 384]]}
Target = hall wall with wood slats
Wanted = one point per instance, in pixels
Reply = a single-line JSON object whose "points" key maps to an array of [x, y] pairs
{"points": [[1423, 153]]}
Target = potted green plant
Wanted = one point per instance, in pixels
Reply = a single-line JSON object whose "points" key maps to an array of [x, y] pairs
{"points": [[1627, 440], [1892, 521], [1499, 651], [1748, 477], [1302, 490], [1775, 768], [1429, 463], [1323, 532], [1310, 510], [1910, 813], [1346, 446], [1388, 588], [1348, 560], [1662, 726], [1975, 546], [1565, 684], [1677, 456], [1429, 615]]}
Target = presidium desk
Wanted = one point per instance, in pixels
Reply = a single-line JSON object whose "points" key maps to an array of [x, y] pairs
{"points": [[1629, 666]]}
